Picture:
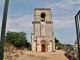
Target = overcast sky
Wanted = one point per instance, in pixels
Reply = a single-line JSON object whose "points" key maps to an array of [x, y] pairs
{"points": [[21, 15]]}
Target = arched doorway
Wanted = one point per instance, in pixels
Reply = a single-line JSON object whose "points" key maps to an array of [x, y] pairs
{"points": [[43, 48]]}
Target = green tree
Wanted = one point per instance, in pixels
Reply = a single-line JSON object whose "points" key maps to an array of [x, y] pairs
{"points": [[56, 40], [57, 43], [28, 45], [16, 38]]}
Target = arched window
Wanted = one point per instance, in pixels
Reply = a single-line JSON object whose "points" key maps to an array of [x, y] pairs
{"points": [[42, 17]]}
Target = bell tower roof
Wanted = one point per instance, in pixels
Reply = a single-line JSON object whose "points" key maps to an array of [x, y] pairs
{"points": [[42, 9]]}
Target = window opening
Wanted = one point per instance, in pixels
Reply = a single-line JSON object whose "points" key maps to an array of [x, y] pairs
{"points": [[42, 17]]}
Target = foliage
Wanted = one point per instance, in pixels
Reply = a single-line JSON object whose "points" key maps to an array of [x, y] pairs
{"points": [[28, 45], [58, 44], [7, 44], [16, 38], [68, 45], [56, 40]]}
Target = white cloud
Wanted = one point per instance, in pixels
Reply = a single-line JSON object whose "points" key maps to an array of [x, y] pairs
{"points": [[64, 23], [21, 23], [63, 13], [72, 2], [64, 6], [24, 23]]}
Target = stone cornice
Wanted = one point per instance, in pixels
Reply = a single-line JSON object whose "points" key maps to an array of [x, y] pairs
{"points": [[49, 22], [42, 9], [36, 22], [40, 21]]}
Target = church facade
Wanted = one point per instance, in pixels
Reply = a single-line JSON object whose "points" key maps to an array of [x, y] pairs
{"points": [[43, 39]]}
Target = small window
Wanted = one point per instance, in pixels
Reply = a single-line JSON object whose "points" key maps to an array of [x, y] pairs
{"points": [[42, 17]]}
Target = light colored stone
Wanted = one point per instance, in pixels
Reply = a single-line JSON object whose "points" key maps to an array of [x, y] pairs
{"points": [[43, 34]]}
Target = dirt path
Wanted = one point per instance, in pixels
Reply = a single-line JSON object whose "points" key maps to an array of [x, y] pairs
{"points": [[28, 55]]}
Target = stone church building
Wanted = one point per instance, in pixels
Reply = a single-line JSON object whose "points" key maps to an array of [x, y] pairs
{"points": [[43, 34]]}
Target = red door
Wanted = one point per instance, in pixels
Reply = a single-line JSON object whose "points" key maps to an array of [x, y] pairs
{"points": [[43, 48]]}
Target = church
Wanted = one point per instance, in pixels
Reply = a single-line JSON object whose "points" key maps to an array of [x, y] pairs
{"points": [[42, 37]]}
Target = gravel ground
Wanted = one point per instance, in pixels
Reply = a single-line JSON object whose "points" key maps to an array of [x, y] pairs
{"points": [[28, 55]]}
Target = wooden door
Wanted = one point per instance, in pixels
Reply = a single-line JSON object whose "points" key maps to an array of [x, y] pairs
{"points": [[43, 48]]}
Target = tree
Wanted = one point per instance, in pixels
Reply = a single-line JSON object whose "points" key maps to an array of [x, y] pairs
{"points": [[16, 38], [69, 45], [56, 40], [28, 45], [58, 44]]}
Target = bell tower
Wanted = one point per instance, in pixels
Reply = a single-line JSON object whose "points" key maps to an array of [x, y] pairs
{"points": [[43, 34]]}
